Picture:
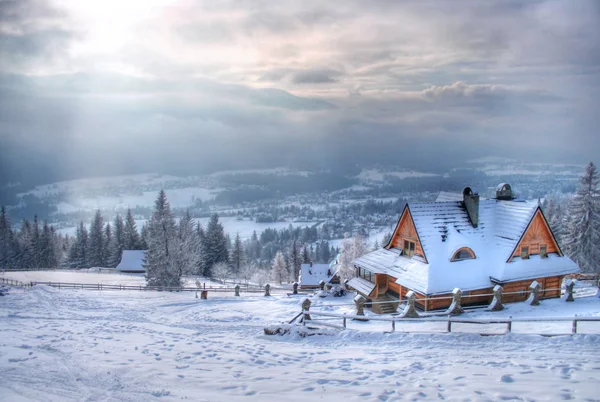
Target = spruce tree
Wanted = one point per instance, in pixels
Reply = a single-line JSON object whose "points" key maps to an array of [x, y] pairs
{"points": [[237, 255], [295, 260], [582, 232], [305, 255], [131, 237], [79, 248], [118, 240], [189, 244], [162, 261], [96, 252], [215, 245], [7, 242]]}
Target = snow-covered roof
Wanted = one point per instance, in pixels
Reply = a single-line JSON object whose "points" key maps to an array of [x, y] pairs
{"points": [[444, 227], [448, 196], [361, 285], [131, 261], [312, 275]]}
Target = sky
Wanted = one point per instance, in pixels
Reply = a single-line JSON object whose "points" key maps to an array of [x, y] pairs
{"points": [[177, 86]]}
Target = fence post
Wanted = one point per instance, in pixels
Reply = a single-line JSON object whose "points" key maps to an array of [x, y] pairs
{"points": [[574, 328], [496, 304], [449, 324], [322, 285], [267, 290], [455, 308], [204, 294], [295, 287], [237, 290], [409, 309], [534, 296], [359, 301], [509, 326], [344, 322], [569, 284], [393, 325], [306, 307]]}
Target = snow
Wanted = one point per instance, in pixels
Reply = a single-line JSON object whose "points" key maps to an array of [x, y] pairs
{"points": [[375, 175], [131, 261], [129, 346], [312, 274]]}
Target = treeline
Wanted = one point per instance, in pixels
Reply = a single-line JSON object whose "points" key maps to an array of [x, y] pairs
{"points": [[34, 245]]}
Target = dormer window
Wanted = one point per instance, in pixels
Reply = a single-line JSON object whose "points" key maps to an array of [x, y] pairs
{"points": [[409, 248], [525, 253], [464, 253]]}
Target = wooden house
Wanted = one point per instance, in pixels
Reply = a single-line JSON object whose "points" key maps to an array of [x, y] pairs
{"points": [[470, 244], [312, 274]]}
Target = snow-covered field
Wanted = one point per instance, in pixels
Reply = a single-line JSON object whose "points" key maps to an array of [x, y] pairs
{"points": [[131, 346]]}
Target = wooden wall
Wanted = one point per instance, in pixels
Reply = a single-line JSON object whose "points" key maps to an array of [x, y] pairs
{"points": [[538, 233], [406, 231]]}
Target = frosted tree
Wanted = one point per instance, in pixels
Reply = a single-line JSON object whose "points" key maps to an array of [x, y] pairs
{"points": [[79, 247], [305, 255], [582, 231], [352, 248], [96, 252], [162, 257], [278, 269], [190, 249], [131, 237], [295, 259], [108, 244], [221, 271], [215, 245], [118, 241], [237, 254]]}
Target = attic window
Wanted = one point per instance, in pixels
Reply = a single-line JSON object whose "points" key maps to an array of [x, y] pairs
{"points": [[525, 253], [409, 248], [464, 253], [543, 251]]}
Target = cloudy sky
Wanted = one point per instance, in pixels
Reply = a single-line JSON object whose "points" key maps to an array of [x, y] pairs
{"points": [[115, 86]]}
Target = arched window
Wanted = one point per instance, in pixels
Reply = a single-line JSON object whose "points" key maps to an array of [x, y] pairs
{"points": [[464, 253]]}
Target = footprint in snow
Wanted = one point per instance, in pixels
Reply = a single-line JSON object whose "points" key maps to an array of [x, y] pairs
{"points": [[507, 378]]}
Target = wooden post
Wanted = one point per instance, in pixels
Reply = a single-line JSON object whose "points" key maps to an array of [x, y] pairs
{"points": [[574, 328], [306, 308], [359, 301], [204, 294], [410, 311], [534, 294], [496, 304], [322, 285], [569, 284], [237, 290], [449, 325], [509, 326], [393, 325], [267, 290], [295, 286], [455, 308], [344, 322]]}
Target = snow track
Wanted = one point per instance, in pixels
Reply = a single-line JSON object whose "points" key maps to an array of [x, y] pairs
{"points": [[131, 346]]}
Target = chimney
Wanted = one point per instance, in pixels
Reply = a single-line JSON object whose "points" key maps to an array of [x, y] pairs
{"points": [[471, 202], [504, 192]]}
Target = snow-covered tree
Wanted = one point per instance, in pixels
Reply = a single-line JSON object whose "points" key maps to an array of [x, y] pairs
{"points": [[237, 255], [221, 271], [7, 242], [214, 245], [96, 250], [162, 262], [352, 248], [189, 245], [278, 269], [118, 240], [305, 255], [582, 231], [78, 251], [131, 237], [295, 260]]}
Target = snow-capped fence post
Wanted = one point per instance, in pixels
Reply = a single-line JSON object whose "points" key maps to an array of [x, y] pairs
{"points": [[496, 304], [455, 308], [569, 284], [322, 285], [574, 327], [344, 321], [267, 290], [237, 290], [409, 310], [295, 287], [305, 308], [534, 294], [359, 301]]}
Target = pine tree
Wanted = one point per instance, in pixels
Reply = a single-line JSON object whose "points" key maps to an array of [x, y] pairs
{"points": [[108, 245], [118, 241], [162, 259], [278, 270], [131, 237], [295, 260], [305, 255], [7, 242], [189, 244], [215, 245], [237, 255], [78, 251], [582, 232], [96, 251]]}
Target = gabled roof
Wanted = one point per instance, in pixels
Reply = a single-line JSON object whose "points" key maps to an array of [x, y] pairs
{"points": [[445, 227], [312, 275], [131, 261]]}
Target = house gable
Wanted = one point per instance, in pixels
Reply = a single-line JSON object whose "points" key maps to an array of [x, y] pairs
{"points": [[406, 230], [536, 234]]}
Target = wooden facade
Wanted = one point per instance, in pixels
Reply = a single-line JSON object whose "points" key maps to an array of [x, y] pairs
{"points": [[406, 230], [537, 235]]}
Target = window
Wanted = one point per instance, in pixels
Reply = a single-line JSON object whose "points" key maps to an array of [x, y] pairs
{"points": [[543, 251], [464, 253], [409, 248], [525, 253]]}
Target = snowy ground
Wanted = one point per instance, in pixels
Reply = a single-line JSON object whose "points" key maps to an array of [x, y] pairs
{"points": [[125, 345]]}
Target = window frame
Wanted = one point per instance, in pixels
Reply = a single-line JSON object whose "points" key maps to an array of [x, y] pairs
{"points": [[544, 253], [409, 248], [468, 250], [524, 252]]}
